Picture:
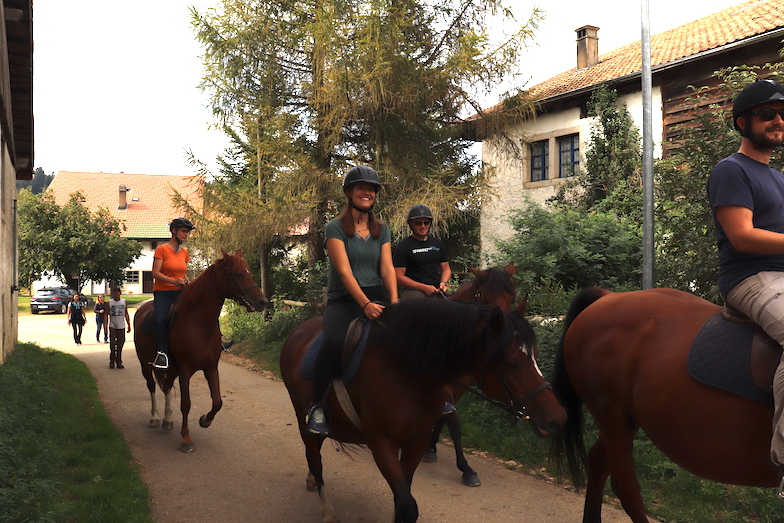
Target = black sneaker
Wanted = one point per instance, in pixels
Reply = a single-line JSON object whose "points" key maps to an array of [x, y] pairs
{"points": [[317, 421], [111, 364], [161, 361], [120, 366]]}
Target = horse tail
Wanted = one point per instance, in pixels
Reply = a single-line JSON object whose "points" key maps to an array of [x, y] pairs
{"points": [[569, 446]]}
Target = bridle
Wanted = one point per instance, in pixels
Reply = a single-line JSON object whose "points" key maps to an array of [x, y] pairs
{"points": [[238, 297], [514, 405]]}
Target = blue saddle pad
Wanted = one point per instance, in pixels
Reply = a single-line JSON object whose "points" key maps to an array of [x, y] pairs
{"points": [[720, 356], [351, 366]]}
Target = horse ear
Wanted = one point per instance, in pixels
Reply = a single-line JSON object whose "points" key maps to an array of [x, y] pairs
{"points": [[238, 253], [476, 272], [225, 254], [510, 269], [520, 309]]}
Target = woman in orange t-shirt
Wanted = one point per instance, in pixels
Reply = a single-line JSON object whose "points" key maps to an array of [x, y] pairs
{"points": [[169, 268]]}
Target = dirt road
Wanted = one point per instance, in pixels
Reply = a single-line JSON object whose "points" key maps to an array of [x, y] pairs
{"points": [[249, 466]]}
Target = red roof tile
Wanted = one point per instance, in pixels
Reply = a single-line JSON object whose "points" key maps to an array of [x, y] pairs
{"points": [[149, 198], [731, 25]]}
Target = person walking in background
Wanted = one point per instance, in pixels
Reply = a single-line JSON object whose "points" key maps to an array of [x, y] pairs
{"points": [[118, 319], [421, 263], [101, 318], [77, 317], [169, 269]]}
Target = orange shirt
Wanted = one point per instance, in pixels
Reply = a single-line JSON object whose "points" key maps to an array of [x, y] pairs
{"points": [[175, 265]]}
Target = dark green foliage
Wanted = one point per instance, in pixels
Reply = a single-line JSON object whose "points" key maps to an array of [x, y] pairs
{"points": [[572, 248], [38, 184], [70, 240]]}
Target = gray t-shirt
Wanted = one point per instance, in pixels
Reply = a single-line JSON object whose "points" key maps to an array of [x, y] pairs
{"points": [[117, 313], [364, 256]]}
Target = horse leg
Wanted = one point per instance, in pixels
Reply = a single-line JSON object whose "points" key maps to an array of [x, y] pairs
{"points": [[431, 456], [155, 419], [598, 470], [213, 380], [470, 478], [399, 473], [168, 411], [186, 445], [617, 438], [315, 479]]}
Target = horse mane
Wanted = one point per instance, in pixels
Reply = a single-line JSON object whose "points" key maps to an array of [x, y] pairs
{"points": [[431, 335], [495, 282], [195, 290]]}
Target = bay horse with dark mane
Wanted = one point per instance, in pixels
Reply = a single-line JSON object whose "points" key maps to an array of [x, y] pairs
{"points": [[626, 357], [490, 287], [194, 337], [397, 393]]}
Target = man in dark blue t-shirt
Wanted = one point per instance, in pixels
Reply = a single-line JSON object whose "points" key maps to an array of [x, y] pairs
{"points": [[421, 263], [747, 198]]}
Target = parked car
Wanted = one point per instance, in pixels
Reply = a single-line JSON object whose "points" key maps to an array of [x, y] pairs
{"points": [[51, 299]]}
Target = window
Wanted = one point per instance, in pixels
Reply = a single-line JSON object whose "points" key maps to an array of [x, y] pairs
{"points": [[131, 276], [568, 155], [539, 154]]}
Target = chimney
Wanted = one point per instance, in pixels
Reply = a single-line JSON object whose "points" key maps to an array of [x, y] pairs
{"points": [[587, 46], [123, 198]]}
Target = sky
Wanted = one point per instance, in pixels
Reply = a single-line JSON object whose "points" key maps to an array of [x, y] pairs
{"points": [[115, 83]]}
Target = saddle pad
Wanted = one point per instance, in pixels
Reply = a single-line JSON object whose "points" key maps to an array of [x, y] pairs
{"points": [[351, 365], [720, 357]]}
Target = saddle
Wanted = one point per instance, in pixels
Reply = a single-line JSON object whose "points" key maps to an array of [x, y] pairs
{"points": [[148, 325], [733, 354], [353, 350]]}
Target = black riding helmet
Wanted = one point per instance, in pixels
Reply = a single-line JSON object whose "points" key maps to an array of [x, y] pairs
{"points": [[180, 222], [361, 173], [753, 95], [419, 210]]}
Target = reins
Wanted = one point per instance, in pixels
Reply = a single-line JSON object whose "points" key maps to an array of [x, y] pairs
{"points": [[511, 399], [237, 297]]}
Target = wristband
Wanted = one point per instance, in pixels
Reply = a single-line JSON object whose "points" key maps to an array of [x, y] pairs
{"points": [[365, 305], [445, 282]]}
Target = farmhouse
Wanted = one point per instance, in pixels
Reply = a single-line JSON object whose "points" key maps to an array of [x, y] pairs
{"points": [[552, 145]]}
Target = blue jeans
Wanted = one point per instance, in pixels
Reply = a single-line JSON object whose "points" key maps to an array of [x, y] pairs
{"points": [[163, 301]]}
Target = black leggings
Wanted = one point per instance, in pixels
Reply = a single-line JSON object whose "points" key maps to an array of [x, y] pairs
{"points": [[337, 317]]}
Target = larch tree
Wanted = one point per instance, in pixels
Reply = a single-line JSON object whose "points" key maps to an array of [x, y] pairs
{"points": [[308, 88]]}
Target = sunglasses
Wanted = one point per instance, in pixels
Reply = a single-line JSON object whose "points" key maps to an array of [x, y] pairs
{"points": [[421, 222], [767, 115]]}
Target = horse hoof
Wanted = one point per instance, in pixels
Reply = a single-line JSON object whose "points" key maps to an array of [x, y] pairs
{"points": [[187, 448], [471, 479], [168, 425], [153, 424], [311, 486], [430, 456], [203, 421]]}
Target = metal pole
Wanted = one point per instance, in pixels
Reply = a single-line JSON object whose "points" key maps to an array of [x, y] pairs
{"points": [[647, 153]]}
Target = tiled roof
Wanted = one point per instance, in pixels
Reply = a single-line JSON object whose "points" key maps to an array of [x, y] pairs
{"points": [[734, 24], [149, 199]]}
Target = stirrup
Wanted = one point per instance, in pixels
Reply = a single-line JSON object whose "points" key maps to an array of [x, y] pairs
{"points": [[226, 345], [161, 361]]}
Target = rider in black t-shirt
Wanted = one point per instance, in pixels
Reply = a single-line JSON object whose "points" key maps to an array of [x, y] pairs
{"points": [[421, 263]]}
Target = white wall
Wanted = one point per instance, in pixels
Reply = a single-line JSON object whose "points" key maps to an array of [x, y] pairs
{"points": [[509, 173]]}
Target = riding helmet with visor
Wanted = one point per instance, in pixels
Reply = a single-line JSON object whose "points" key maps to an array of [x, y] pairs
{"points": [[753, 95], [180, 222], [419, 210], [361, 173]]}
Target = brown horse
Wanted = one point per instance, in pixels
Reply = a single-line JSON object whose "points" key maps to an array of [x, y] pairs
{"points": [[416, 348], [490, 287], [194, 337], [625, 356]]}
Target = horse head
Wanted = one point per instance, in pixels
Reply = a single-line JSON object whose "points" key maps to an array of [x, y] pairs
{"points": [[240, 285], [489, 287], [519, 380]]}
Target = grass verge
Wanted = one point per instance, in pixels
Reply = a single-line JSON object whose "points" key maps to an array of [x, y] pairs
{"points": [[61, 457]]}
